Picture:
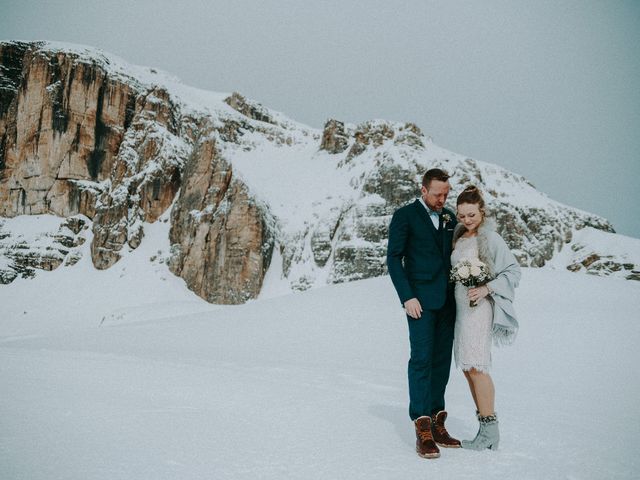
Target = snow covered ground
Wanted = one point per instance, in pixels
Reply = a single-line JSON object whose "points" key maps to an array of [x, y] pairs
{"points": [[126, 374]]}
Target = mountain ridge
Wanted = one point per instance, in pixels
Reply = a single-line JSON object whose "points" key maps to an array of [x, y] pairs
{"points": [[127, 143]]}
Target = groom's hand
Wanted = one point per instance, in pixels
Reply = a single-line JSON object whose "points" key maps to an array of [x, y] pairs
{"points": [[413, 308]]}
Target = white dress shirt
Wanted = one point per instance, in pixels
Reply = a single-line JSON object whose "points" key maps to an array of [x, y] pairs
{"points": [[435, 216]]}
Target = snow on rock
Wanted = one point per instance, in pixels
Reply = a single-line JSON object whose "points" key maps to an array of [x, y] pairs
{"points": [[142, 143], [600, 253], [39, 242]]}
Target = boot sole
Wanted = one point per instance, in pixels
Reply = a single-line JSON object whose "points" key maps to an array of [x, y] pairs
{"points": [[428, 455], [448, 446], [493, 447]]}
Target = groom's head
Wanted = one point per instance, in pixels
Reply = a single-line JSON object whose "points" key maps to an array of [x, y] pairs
{"points": [[435, 188]]}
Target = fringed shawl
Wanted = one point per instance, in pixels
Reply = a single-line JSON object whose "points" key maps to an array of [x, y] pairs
{"points": [[505, 273]]}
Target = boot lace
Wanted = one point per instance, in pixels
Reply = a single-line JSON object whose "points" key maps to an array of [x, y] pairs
{"points": [[440, 430], [425, 435], [438, 426], [424, 432]]}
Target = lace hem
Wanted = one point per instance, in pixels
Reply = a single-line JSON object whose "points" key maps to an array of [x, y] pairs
{"points": [[465, 367]]}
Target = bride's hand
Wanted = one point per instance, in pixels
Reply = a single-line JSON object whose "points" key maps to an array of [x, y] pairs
{"points": [[478, 293]]}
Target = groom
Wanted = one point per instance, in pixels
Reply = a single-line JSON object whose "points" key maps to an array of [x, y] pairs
{"points": [[418, 259]]}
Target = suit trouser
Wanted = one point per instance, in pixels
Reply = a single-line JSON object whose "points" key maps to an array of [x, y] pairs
{"points": [[431, 340]]}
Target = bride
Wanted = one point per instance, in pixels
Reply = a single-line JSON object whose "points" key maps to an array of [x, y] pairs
{"points": [[491, 317]]}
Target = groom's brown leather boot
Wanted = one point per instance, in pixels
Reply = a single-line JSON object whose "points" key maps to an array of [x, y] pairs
{"points": [[425, 446], [440, 434]]}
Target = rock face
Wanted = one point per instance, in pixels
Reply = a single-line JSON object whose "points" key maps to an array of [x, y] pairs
{"points": [[85, 135], [600, 253], [249, 109], [62, 124], [79, 138], [334, 138], [144, 178], [395, 156], [22, 253], [221, 237]]}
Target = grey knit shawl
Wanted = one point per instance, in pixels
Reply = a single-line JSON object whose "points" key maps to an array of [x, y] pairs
{"points": [[505, 273]]}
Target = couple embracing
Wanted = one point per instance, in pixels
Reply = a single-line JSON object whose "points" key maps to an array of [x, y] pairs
{"points": [[425, 240]]}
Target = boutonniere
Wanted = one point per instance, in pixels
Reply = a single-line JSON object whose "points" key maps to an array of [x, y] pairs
{"points": [[446, 218]]}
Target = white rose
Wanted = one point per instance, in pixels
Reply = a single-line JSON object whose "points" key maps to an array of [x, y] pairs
{"points": [[476, 262], [463, 272], [475, 270]]}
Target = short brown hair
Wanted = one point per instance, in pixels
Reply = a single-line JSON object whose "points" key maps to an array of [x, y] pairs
{"points": [[434, 174]]}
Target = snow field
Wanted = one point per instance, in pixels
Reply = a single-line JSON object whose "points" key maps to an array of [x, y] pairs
{"points": [[308, 385]]}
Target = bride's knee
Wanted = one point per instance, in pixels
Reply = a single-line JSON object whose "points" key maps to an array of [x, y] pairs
{"points": [[474, 373]]}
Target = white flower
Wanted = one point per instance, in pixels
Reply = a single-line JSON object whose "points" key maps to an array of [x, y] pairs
{"points": [[475, 270], [476, 262], [464, 272]]}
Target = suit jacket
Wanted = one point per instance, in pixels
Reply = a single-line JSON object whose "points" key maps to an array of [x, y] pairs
{"points": [[419, 257]]}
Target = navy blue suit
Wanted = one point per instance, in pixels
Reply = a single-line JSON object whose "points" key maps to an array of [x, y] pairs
{"points": [[418, 260]]}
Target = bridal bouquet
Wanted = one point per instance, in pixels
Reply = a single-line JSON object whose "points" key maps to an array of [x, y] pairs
{"points": [[470, 273]]}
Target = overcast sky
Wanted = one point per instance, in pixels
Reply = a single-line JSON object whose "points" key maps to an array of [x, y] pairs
{"points": [[547, 89]]}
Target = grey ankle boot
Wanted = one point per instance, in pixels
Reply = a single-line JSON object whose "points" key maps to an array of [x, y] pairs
{"points": [[478, 417], [488, 436]]}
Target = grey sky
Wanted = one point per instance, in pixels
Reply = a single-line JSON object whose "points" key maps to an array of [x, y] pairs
{"points": [[548, 89]]}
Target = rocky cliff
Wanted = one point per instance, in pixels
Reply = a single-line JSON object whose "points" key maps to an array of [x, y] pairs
{"points": [[85, 135], [81, 135]]}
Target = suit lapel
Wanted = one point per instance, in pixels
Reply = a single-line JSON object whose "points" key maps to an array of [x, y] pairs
{"points": [[425, 216], [447, 238]]}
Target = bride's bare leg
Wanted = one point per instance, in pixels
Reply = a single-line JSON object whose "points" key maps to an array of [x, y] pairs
{"points": [[471, 388], [485, 392]]}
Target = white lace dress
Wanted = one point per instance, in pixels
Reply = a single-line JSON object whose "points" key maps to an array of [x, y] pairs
{"points": [[472, 342]]}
